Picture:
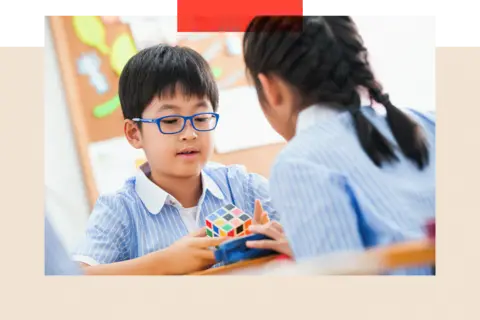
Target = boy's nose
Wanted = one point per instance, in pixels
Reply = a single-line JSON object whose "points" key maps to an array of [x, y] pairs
{"points": [[188, 133]]}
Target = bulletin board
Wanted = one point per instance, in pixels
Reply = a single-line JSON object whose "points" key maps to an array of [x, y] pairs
{"points": [[91, 52], [85, 55]]}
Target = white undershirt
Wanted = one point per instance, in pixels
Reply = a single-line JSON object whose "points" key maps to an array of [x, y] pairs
{"points": [[189, 217]]}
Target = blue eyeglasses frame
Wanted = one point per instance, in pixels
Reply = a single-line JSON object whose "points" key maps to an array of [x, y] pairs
{"points": [[185, 119]]}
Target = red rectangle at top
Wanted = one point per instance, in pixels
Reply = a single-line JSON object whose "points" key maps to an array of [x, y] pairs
{"points": [[256, 7], [226, 16]]}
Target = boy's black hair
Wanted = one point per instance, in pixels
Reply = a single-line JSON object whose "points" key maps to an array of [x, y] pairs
{"points": [[325, 60], [158, 71]]}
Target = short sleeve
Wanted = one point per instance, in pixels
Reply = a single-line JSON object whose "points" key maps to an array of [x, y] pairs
{"points": [[108, 234], [316, 208]]}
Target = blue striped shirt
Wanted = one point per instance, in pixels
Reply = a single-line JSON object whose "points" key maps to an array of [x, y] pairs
{"points": [[330, 197], [141, 218], [57, 260]]}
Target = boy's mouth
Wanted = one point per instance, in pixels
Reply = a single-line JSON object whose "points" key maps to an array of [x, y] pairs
{"points": [[188, 152]]}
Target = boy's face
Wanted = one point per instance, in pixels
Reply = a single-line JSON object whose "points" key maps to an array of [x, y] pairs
{"points": [[183, 154]]}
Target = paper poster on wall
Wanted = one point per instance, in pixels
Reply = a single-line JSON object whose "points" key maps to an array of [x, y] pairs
{"points": [[106, 108], [88, 64], [123, 48], [91, 31]]}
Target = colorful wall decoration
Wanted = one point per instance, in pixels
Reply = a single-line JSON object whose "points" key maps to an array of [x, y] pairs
{"points": [[92, 31], [92, 52]]}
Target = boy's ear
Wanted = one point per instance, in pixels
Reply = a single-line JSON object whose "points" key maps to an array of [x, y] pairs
{"points": [[133, 134]]}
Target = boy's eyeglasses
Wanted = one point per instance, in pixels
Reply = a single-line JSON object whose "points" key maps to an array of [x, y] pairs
{"points": [[205, 121]]}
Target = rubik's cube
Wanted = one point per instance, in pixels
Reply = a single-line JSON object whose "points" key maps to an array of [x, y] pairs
{"points": [[228, 221]]}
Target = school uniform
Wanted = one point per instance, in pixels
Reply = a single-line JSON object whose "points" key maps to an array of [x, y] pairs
{"points": [[57, 260], [141, 218], [331, 197]]}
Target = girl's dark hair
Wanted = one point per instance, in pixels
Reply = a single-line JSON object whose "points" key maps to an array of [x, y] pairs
{"points": [[325, 61]]}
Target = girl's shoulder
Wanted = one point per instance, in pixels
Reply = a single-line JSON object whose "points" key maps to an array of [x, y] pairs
{"points": [[429, 118]]}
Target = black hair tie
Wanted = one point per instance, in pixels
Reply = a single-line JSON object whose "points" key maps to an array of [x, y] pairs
{"points": [[385, 101]]}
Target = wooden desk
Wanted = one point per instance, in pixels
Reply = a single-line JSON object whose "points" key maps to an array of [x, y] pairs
{"points": [[404, 255], [224, 270]]}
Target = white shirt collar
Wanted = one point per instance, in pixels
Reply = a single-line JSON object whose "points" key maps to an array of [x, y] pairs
{"points": [[319, 112], [154, 197], [313, 115]]}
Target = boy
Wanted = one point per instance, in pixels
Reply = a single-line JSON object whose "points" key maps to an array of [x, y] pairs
{"points": [[151, 225]]}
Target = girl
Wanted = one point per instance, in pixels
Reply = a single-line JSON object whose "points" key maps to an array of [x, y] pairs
{"points": [[349, 178]]}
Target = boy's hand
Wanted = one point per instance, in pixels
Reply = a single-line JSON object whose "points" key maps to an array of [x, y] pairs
{"points": [[192, 253], [261, 224]]}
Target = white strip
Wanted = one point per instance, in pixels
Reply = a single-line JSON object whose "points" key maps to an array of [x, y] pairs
{"points": [[86, 260]]}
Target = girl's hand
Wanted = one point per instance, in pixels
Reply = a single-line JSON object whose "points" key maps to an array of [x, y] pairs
{"points": [[262, 225], [259, 216]]}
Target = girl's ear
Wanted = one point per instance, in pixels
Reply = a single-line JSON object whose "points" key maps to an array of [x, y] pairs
{"points": [[276, 91], [270, 89]]}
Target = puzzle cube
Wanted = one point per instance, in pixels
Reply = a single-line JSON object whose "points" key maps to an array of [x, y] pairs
{"points": [[228, 221]]}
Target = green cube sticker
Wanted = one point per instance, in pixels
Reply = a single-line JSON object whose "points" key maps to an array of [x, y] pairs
{"points": [[209, 233], [227, 227]]}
